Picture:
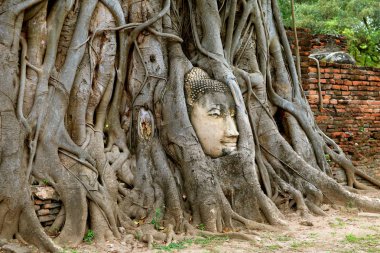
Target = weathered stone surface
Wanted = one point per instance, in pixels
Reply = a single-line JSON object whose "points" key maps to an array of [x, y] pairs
{"points": [[370, 215], [340, 57], [14, 248], [54, 210], [38, 202], [43, 212], [45, 192], [306, 223], [46, 218], [3, 242], [52, 205]]}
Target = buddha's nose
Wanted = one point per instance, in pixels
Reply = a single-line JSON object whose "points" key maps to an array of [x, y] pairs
{"points": [[231, 130]]}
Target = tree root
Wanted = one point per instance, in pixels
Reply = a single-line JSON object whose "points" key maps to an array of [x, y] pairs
{"points": [[338, 156], [31, 231]]}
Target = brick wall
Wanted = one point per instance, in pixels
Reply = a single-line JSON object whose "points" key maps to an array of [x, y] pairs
{"points": [[351, 100], [47, 204]]}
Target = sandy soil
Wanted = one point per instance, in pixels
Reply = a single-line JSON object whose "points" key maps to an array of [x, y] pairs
{"points": [[345, 229]]}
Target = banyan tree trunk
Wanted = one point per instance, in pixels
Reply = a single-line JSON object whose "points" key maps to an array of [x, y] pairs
{"points": [[94, 100]]}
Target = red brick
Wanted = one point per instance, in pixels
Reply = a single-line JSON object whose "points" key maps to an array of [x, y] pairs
{"points": [[52, 205], [46, 218], [43, 212], [347, 82], [373, 102], [312, 80], [312, 92], [337, 134], [313, 98], [322, 118], [42, 202], [374, 78], [336, 87], [336, 71]]}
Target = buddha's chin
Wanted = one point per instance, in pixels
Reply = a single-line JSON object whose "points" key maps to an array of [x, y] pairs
{"points": [[229, 149]]}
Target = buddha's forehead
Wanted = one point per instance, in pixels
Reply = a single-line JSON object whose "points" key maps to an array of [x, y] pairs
{"points": [[222, 100]]}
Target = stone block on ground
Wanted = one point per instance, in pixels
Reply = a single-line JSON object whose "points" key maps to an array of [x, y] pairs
{"points": [[45, 192], [43, 212], [54, 210], [46, 218], [370, 215], [51, 205], [15, 248]]}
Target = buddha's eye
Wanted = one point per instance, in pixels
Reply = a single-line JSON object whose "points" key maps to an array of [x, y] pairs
{"points": [[214, 113]]}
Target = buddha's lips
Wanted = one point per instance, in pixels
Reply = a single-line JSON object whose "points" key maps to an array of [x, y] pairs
{"points": [[231, 144]]}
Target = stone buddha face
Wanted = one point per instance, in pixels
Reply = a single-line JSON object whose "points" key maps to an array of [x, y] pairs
{"points": [[212, 113]]}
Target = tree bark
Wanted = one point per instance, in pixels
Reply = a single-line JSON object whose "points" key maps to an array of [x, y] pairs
{"points": [[92, 100]]}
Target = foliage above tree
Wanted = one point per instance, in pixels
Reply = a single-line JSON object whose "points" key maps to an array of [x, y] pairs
{"points": [[358, 20]]}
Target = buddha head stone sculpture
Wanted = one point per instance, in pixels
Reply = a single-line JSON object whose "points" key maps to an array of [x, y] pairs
{"points": [[212, 113]]}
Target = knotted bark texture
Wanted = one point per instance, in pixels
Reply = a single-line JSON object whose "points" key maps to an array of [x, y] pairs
{"points": [[92, 102]]}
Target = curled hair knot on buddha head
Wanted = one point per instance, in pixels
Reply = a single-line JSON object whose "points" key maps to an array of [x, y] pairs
{"points": [[198, 83]]}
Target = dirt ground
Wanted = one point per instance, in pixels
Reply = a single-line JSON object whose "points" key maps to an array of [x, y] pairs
{"points": [[344, 229]]}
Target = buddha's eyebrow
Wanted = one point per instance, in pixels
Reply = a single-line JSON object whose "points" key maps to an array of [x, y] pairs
{"points": [[216, 106], [222, 106]]}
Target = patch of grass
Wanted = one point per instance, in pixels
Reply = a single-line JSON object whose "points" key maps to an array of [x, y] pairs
{"points": [[284, 238], [367, 243], [138, 235], [45, 182], [70, 251], [209, 240], [156, 221], [172, 246], [374, 228], [300, 244], [338, 223], [89, 236], [367, 240], [350, 204], [273, 247], [352, 238], [204, 241], [202, 227], [373, 250], [313, 235]]}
